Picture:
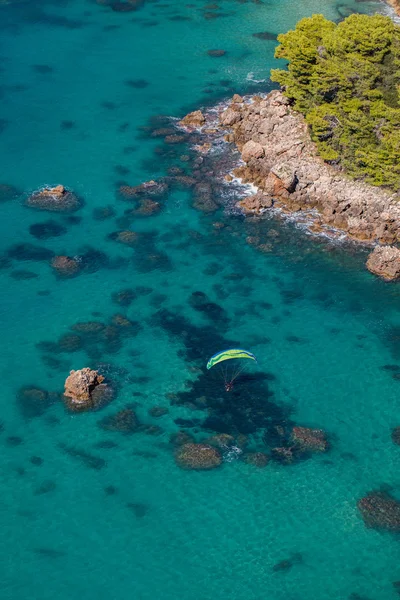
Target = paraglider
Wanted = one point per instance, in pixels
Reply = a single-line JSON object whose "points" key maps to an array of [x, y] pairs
{"points": [[230, 371]]}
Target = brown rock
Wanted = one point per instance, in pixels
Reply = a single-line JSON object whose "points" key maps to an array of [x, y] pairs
{"points": [[229, 117], [384, 261], [256, 203], [152, 188], [380, 511], [310, 440], [291, 171], [286, 173], [252, 150], [197, 456], [79, 388], [193, 119], [55, 199], [66, 266]]}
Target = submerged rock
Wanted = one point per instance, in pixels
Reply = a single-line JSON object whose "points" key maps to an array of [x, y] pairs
{"points": [[179, 438], [8, 192], [80, 387], [396, 436], [257, 459], [158, 411], [216, 53], [288, 563], [33, 401], [56, 199], [222, 441], [384, 261], [66, 266], [124, 421], [310, 440], [152, 188], [127, 237], [283, 455], [197, 456], [380, 511]]}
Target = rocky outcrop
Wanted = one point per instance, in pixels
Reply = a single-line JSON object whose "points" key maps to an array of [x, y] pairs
{"points": [[152, 188], [55, 199], [380, 511], [384, 261], [193, 119], [85, 389], [282, 161], [395, 4], [197, 456]]}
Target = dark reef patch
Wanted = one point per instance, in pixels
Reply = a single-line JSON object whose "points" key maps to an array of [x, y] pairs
{"points": [[139, 509], [90, 461], [102, 213], [246, 409], [124, 297], [43, 69], [49, 552], [34, 401], [22, 274], [67, 125], [45, 488], [13, 440], [25, 252], [47, 230], [265, 35], [8, 192], [138, 84]]}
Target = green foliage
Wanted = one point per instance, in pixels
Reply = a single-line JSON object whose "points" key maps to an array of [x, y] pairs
{"points": [[345, 79]]}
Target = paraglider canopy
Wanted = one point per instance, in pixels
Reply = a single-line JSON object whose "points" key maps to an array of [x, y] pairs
{"points": [[229, 354], [230, 371]]}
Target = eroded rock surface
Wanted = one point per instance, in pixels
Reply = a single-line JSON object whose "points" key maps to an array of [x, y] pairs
{"points": [[282, 161], [84, 389], [193, 119], [55, 199], [384, 261]]}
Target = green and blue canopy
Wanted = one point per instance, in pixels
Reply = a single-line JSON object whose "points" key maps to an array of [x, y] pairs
{"points": [[228, 355]]}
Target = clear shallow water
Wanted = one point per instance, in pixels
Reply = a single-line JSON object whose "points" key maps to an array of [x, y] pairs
{"points": [[323, 339]]}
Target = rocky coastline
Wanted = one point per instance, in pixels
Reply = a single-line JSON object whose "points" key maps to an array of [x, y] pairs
{"points": [[395, 4], [281, 161]]}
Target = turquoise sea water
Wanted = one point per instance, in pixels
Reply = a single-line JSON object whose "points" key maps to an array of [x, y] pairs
{"points": [[78, 81]]}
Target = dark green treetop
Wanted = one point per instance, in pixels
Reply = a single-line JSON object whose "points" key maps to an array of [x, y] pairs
{"points": [[345, 79]]}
